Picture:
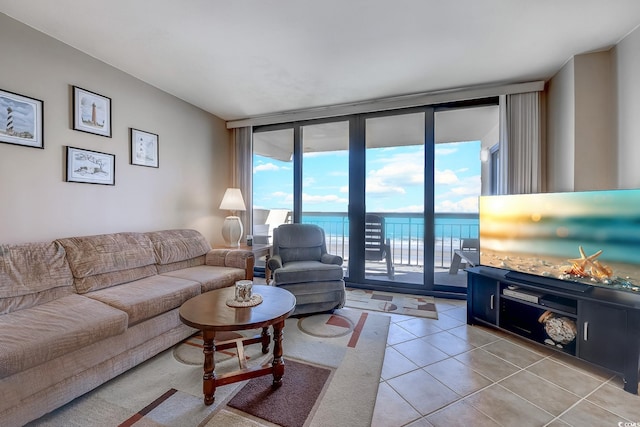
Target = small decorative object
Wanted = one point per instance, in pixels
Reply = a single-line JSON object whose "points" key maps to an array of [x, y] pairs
{"points": [[249, 240], [232, 227], [243, 290], [21, 120], [244, 297], [91, 112], [91, 167], [144, 148], [561, 330]]}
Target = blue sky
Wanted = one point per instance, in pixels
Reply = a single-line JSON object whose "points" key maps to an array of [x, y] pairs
{"points": [[395, 180]]}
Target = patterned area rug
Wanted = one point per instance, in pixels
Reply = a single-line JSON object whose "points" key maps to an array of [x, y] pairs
{"points": [[341, 354], [413, 305]]}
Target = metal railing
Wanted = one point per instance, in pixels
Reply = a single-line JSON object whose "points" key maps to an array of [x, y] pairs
{"points": [[406, 234]]}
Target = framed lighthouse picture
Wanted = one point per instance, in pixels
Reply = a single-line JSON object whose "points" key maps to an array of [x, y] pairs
{"points": [[21, 120], [91, 112]]}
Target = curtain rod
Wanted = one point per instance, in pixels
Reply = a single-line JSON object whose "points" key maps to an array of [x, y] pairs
{"points": [[391, 103]]}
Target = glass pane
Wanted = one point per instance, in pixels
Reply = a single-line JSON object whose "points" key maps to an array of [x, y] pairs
{"points": [[461, 136], [394, 198], [325, 183], [272, 182]]}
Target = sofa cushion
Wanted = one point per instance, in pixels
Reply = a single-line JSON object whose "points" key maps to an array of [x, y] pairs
{"points": [[148, 297], [172, 246], [32, 274], [35, 335], [210, 277], [307, 271], [106, 260]]}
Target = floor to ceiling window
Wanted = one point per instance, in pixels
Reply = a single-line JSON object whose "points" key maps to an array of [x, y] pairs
{"points": [[396, 192]]}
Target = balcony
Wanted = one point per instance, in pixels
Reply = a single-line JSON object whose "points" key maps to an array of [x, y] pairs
{"points": [[405, 233]]}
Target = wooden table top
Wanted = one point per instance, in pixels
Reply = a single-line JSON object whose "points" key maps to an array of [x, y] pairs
{"points": [[209, 311]]}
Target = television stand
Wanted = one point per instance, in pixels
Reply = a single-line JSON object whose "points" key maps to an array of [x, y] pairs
{"points": [[598, 325]]}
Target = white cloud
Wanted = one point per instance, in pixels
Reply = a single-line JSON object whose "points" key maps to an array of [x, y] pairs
{"points": [[265, 167], [468, 204], [445, 177], [445, 151], [329, 198]]}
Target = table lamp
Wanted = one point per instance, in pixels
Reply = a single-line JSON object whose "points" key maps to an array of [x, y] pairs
{"points": [[232, 227]]}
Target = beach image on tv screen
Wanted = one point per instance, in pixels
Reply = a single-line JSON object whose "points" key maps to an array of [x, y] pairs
{"points": [[589, 237]]}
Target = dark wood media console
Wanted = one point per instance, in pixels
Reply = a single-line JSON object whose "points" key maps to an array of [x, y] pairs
{"points": [[606, 321]]}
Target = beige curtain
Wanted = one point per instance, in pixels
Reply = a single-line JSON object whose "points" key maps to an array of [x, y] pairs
{"points": [[522, 144], [242, 177]]}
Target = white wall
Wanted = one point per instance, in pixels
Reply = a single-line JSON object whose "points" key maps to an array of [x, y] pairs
{"points": [[626, 65], [36, 204], [561, 130], [595, 155]]}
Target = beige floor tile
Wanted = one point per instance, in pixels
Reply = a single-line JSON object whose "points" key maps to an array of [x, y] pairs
{"points": [[617, 401], [420, 352], [461, 414], [448, 343], [457, 376], [447, 322], [557, 423], [475, 336], [507, 408], [582, 366], [422, 391], [565, 377], [459, 313], [487, 364], [420, 326], [391, 409], [397, 334], [515, 354], [396, 364], [422, 422], [588, 414], [540, 392]]}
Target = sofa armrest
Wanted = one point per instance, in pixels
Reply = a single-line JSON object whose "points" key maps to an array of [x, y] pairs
{"points": [[275, 262], [331, 259], [236, 258]]}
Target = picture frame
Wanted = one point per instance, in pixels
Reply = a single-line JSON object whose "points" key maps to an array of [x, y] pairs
{"points": [[90, 167], [21, 120], [91, 112], [144, 148]]}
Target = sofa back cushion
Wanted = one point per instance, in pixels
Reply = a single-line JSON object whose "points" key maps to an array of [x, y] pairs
{"points": [[106, 260], [32, 274], [177, 249]]}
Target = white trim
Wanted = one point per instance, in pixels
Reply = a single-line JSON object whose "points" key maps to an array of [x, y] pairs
{"points": [[392, 103]]}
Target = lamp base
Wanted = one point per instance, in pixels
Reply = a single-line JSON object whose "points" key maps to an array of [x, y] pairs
{"points": [[232, 231]]}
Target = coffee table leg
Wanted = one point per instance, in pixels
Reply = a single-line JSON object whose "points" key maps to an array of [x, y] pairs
{"points": [[278, 362], [266, 339], [209, 378]]}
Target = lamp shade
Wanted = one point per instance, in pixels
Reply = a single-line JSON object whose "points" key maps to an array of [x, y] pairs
{"points": [[232, 200]]}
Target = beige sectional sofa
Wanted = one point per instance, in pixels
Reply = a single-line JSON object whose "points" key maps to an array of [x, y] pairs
{"points": [[78, 311]]}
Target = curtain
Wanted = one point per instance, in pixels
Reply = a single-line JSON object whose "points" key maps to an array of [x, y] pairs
{"points": [[242, 177], [522, 144]]}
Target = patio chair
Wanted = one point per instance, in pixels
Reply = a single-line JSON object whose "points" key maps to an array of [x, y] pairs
{"points": [[376, 245], [469, 252], [300, 264]]}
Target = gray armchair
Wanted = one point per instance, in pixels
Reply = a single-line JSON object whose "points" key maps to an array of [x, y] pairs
{"points": [[300, 264]]}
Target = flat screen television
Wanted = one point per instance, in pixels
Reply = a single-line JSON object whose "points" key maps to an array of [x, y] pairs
{"points": [[583, 238]]}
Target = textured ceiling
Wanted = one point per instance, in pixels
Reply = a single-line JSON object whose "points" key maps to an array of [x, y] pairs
{"points": [[239, 59]]}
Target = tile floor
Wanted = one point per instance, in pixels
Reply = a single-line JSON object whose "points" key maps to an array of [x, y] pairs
{"points": [[446, 373]]}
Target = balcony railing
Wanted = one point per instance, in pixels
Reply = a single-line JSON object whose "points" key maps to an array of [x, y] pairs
{"points": [[406, 233]]}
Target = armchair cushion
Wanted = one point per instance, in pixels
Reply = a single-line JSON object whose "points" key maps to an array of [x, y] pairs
{"points": [[307, 271]]}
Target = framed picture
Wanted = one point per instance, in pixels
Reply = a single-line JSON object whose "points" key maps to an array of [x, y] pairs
{"points": [[144, 148], [91, 167], [91, 112], [21, 120]]}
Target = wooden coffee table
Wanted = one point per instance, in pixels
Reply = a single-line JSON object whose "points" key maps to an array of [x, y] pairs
{"points": [[210, 313]]}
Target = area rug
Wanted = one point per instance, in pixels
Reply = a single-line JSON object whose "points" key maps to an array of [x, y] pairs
{"points": [[412, 305], [346, 348]]}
